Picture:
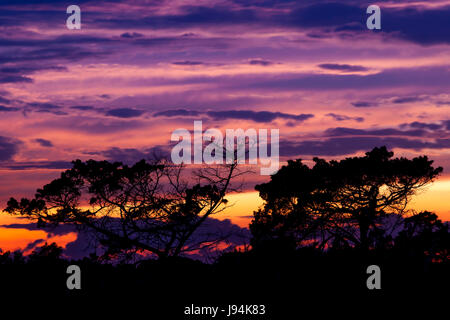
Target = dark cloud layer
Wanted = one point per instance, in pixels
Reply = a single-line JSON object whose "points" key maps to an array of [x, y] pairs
{"points": [[343, 141], [19, 165], [82, 108], [257, 116], [342, 67], [341, 131], [8, 148], [4, 78], [340, 117], [407, 100], [177, 113], [124, 113], [419, 24], [412, 77], [364, 104], [422, 125], [187, 63], [44, 142], [348, 145], [260, 62], [132, 155], [8, 109], [4, 100]]}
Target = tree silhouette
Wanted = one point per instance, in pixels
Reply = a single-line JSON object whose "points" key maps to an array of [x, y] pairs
{"points": [[339, 203], [425, 235], [153, 207], [48, 253]]}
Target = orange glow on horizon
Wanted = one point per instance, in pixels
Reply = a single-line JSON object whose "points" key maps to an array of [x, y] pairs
{"points": [[240, 212]]}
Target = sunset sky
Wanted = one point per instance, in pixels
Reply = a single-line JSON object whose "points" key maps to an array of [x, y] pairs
{"points": [[138, 70]]}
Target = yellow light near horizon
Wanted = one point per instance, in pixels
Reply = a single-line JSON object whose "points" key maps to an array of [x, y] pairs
{"points": [[434, 198], [241, 207]]}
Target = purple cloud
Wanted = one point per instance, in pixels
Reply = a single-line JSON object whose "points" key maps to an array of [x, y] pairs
{"points": [[124, 113], [340, 117], [8, 148], [342, 67], [44, 142]]}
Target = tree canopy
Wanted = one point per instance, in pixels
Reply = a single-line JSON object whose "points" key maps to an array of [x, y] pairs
{"points": [[351, 202], [155, 207]]}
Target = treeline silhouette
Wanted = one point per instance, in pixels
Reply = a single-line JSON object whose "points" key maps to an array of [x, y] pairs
{"points": [[319, 229]]}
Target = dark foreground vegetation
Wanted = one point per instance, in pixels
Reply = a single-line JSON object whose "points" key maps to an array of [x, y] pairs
{"points": [[318, 231], [287, 282]]}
